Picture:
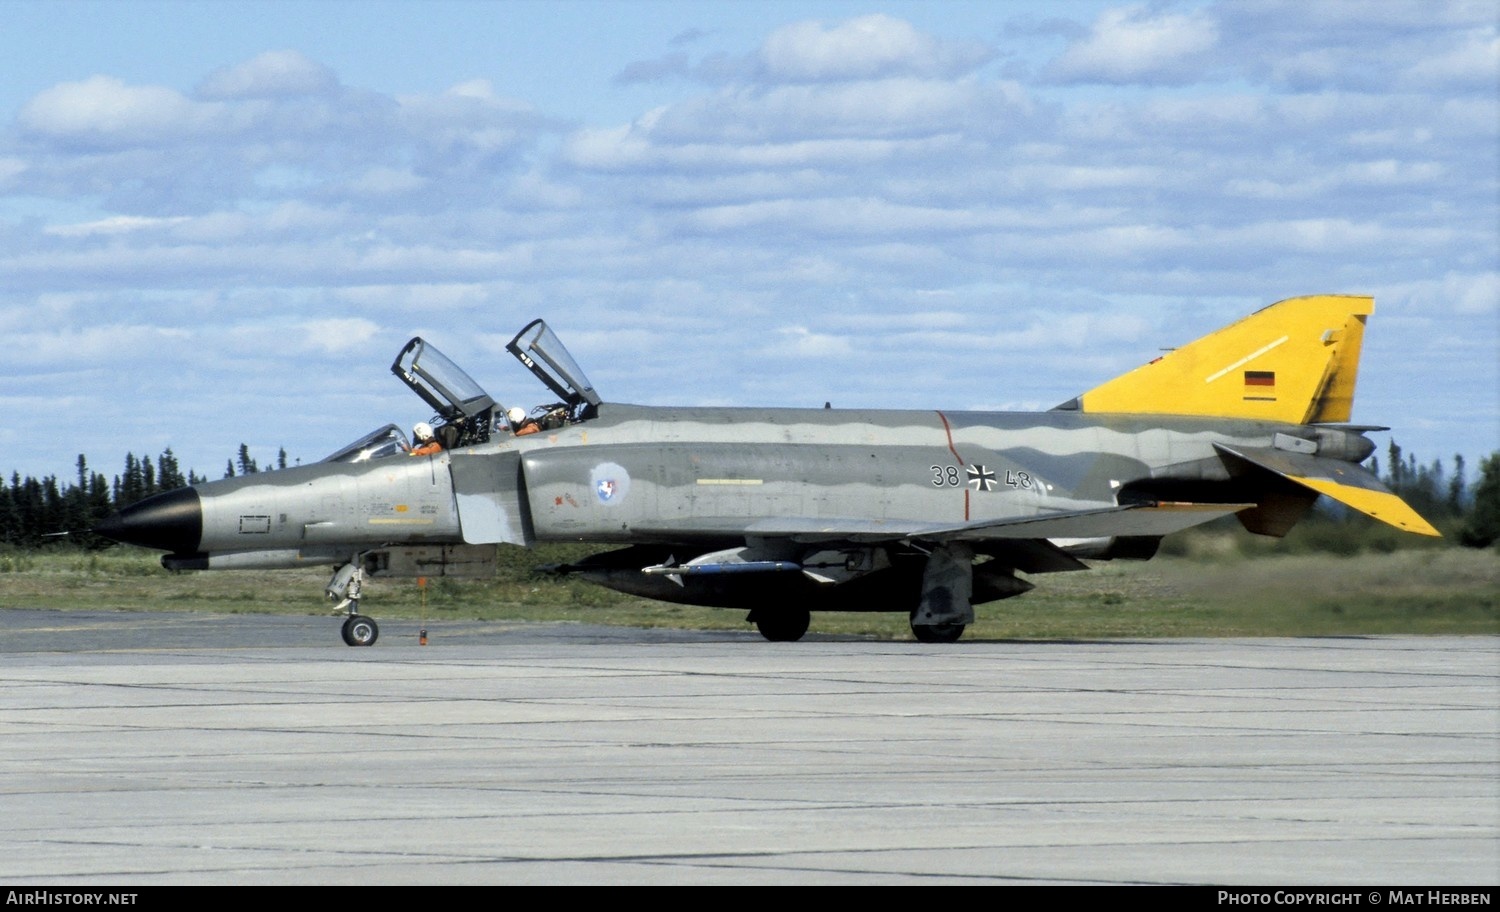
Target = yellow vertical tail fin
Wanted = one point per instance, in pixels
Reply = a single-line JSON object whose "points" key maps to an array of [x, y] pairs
{"points": [[1295, 361]]}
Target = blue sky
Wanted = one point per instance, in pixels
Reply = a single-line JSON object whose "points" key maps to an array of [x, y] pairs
{"points": [[220, 221]]}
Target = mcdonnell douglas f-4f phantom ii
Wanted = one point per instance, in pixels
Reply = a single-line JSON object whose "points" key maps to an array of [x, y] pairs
{"points": [[782, 511]]}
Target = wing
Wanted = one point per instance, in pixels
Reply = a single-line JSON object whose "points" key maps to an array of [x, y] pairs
{"points": [[1144, 519], [1024, 541]]}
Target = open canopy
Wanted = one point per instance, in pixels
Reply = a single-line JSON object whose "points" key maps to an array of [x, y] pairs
{"points": [[539, 349], [468, 414]]}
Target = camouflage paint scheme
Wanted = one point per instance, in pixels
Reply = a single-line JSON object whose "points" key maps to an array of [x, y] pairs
{"points": [[782, 511]]}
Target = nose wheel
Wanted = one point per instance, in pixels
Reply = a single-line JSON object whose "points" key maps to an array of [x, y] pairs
{"points": [[360, 630]]}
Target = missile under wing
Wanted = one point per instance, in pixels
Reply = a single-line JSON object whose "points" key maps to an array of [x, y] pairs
{"points": [[781, 512]]}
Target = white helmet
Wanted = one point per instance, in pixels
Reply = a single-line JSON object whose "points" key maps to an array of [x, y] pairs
{"points": [[516, 415], [421, 430]]}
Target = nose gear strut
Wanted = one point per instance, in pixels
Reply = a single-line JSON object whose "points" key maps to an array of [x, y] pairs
{"points": [[348, 581]]}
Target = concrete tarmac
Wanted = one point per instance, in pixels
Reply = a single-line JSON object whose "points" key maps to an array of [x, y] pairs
{"points": [[141, 749]]}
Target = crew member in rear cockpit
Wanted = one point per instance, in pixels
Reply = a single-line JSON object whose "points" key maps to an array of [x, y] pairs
{"points": [[522, 423]]}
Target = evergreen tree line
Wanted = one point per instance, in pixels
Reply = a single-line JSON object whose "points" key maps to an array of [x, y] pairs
{"points": [[36, 512], [1443, 497]]}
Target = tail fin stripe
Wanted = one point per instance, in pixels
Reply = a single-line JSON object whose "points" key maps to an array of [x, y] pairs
{"points": [[1245, 360]]}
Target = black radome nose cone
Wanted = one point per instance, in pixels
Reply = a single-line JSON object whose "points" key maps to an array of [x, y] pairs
{"points": [[172, 521]]}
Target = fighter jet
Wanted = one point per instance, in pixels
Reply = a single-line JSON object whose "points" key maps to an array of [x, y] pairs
{"points": [[784, 511]]}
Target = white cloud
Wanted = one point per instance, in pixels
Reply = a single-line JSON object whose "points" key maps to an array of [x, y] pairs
{"points": [[1137, 44], [800, 342], [866, 47], [484, 91], [103, 109], [465, 132], [624, 150], [119, 224], [1302, 184], [1473, 61], [780, 125], [273, 74], [338, 334], [895, 107], [1456, 294], [1086, 177]]}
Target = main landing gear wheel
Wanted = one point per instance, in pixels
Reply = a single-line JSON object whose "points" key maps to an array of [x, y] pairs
{"points": [[360, 630], [782, 626], [937, 633]]}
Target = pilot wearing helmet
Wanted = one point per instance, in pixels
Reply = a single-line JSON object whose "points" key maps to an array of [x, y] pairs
{"points": [[521, 422], [424, 441]]}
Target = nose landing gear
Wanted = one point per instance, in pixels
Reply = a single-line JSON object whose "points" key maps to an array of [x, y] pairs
{"points": [[348, 581]]}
